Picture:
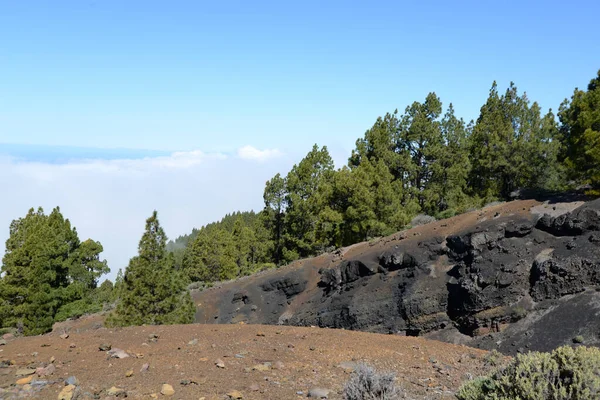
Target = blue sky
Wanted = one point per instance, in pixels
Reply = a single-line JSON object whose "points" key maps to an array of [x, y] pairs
{"points": [[102, 93]]}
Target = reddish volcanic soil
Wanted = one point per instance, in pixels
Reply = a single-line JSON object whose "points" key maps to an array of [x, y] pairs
{"points": [[260, 362]]}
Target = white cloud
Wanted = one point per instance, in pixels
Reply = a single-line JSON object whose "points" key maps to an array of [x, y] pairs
{"points": [[109, 200], [252, 153]]}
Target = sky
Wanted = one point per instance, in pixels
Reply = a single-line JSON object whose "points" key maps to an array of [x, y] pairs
{"points": [[111, 109]]}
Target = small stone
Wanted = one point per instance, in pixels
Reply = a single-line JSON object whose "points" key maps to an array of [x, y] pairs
{"points": [[254, 387], [193, 342], [278, 365], [115, 391], [167, 390], [318, 393], [261, 367], [239, 356], [129, 373], [145, 367], [235, 394], [64, 336], [25, 381], [66, 393], [219, 363], [260, 334], [2, 342], [25, 372], [52, 359], [105, 347], [72, 345], [71, 381], [49, 370], [117, 353]]}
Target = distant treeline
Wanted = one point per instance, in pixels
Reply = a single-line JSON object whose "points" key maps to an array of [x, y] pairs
{"points": [[425, 160]]}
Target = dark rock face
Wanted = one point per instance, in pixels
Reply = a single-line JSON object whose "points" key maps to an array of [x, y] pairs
{"points": [[479, 281]]}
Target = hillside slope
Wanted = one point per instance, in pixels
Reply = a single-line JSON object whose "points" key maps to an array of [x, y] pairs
{"points": [[502, 277]]}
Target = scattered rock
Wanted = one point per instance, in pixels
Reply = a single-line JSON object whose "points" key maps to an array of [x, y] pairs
{"points": [[64, 336], [129, 373], [318, 393], [2, 342], [105, 347], [72, 345], [260, 334], [117, 392], [25, 372], [117, 353], [45, 371], [24, 381], [254, 387], [235, 394], [145, 367], [261, 367], [193, 342], [71, 381], [219, 363], [67, 392], [167, 390]]}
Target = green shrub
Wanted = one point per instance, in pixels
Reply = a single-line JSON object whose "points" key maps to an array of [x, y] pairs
{"points": [[578, 339], [493, 358], [422, 219], [449, 213], [564, 374]]}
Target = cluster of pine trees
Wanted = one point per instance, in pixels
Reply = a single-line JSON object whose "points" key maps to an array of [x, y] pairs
{"points": [[423, 161], [49, 275]]}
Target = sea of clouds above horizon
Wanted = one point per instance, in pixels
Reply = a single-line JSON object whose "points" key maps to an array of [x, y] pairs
{"points": [[108, 199]]}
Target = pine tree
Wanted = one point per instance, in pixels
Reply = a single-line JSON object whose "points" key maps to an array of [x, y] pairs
{"points": [[153, 292], [420, 144], [45, 268], [306, 197], [580, 129], [273, 215], [211, 256], [451, 173]]}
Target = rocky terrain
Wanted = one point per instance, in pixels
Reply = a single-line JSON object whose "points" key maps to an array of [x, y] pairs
{"points": [[83, 360], [515, 276]]}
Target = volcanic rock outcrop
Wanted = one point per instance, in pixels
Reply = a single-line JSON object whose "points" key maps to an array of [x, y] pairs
{"points": [[495, 278]]}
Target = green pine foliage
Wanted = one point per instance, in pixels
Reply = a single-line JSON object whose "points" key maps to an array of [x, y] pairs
{"points": [[152, 291], [48, 274], [580, 129]]}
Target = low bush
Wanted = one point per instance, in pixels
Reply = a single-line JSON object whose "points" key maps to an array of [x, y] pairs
{"points": [[368, 384], [422, 219], [566, 373]]}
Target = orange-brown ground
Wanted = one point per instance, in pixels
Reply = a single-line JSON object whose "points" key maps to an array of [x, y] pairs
{"points": [[301, 359]]}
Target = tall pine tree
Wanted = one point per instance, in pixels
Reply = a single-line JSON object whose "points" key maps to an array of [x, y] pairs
{"points": [[152, 292], [580, 128]]}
